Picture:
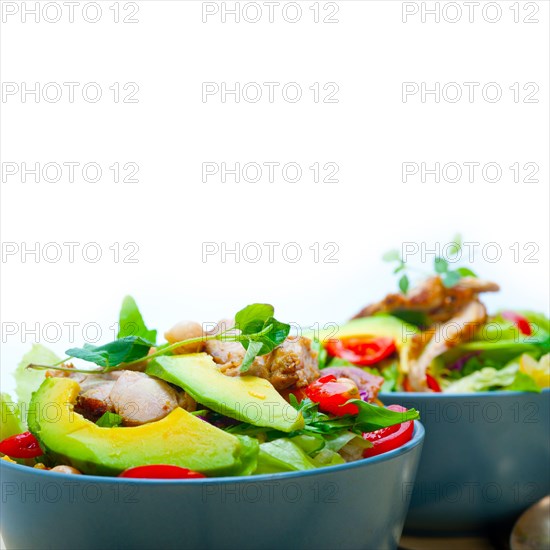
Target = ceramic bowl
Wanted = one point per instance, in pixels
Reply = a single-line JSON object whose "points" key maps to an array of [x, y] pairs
{"points": [[486, 458], [360, 505]]}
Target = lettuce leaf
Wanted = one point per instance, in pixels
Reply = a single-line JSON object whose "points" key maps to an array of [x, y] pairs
{"points": [[484, 379], [28, 380], [282, 455], [489, 378], [523, 382], [10, 421]]}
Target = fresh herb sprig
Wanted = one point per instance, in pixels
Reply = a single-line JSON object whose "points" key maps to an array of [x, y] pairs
{"points": [[449, 277], [255, 328], [370, 417]]}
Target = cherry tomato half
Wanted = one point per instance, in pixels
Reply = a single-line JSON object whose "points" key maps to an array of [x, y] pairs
{"points": [[361, 350], [23, 445], [331, 393], [386, 439], [432, 383], [161, 471], [519, 320]]}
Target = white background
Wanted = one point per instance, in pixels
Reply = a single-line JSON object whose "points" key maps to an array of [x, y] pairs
{"points": [[170, 132]]}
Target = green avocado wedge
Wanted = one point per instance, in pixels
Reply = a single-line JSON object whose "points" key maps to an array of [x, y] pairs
{"points": [[180, 439], [247, 398]]}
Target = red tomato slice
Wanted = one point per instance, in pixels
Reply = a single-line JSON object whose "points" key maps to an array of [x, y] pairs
{"points": [[387, 439], [433, 384], [520, 321], [361, 350], [23, 445], [331, 394], [161, 471]]}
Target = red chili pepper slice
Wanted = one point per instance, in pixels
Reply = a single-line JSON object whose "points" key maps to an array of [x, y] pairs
{"points": [[433, 384], [389, 438], [361, 350], [519, 320], [161, 471], [23, 445], [331, 394]]}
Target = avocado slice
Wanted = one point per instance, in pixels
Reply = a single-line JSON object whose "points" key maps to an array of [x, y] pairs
{"points": [[180, 438], [247, 398], [377, 325]]}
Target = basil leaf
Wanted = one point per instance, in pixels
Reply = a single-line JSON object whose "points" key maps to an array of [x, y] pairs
{"points": [[131, 322], [252, 318], [252, 350], [109, 420], [110, 355]]}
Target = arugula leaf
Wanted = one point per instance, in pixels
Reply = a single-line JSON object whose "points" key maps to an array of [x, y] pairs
{"points": [[131, 322], [372, 417], [252, 318], [109, 420], [124, 350]]}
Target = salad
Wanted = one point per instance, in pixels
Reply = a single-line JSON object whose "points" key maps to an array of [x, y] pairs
{"points": [[244, 398], [438, 337]]}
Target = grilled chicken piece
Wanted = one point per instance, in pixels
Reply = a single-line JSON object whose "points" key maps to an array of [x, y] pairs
{"points": [[291, 363], [137, 397], [431, 297], [445, 336], [365, 382]]}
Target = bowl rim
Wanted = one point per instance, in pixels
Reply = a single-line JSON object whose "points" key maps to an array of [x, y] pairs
{"points": [[462, 395], [416, 440]]}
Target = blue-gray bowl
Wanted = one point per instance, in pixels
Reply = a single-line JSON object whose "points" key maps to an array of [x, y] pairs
{"points": [[360, 505], [486, 458]]}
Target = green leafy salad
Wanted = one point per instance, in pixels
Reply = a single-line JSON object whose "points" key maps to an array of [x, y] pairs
{"points": [[244, 398]]}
